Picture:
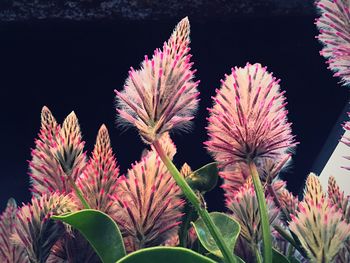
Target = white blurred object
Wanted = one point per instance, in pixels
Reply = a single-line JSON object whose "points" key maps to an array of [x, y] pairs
{"points": [[334, 167]]}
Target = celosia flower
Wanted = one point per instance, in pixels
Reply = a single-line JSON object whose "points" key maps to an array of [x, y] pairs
{"points": [[69, 148], [147, 203], [288, 201], [319, 225], [10, 252], [245, 209], [337, 198], [58, 154], [99, 179], [236, 175], [334, 27], [161, 95], [248, 120], [35, 231]]}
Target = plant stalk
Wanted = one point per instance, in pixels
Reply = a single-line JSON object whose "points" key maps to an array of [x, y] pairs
{"points": [[78, 193], [265, 224], [191, 196]]}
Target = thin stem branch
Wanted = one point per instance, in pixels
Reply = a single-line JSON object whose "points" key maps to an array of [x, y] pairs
{"points": [[78, 193], [265, 224], [191, 196]]}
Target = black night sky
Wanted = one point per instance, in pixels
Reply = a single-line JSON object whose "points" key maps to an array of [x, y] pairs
{"points": [[77, 65]]}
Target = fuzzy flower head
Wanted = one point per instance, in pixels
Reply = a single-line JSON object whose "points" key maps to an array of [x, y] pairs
{"points": [[58, 154], [248, 120], [334, 27], [100, 177], [35, 231], [147, 203], [10, 252], [162, 94], [245, 209], [318, 224]]}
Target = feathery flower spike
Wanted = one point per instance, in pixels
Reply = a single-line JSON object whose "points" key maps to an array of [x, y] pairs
{"points": [[10, 252], [69, 150], [35, 231], [57, 154], [244, 207], [147, 203], [319, 225], [45, 171], [248, 120], [100, 177], [162, 94], [334, 27], [337, 198]]}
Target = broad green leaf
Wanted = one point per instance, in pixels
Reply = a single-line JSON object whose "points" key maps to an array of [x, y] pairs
{"points": [[277, 257], [228, 228], [100, 230], [204, 179], [165, 255], [220, 260]]}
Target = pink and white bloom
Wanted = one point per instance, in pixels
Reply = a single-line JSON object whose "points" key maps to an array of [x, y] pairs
{"points": [[58, 154], [319, 225], [35, 231], [334, 27], [147, 202], [161, 95], [248, 120], [99, 179], [10, 252]]}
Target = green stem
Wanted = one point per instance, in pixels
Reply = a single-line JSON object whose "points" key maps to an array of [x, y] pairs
{"points": [[191, 196], [256, 253], [78, 193], [265, 225], [290, 239]]}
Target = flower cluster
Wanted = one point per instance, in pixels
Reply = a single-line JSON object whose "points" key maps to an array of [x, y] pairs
{"points": [[319, 225], [147, 202], [10, 252], [248, 119], [161, 95], [334, 28]]}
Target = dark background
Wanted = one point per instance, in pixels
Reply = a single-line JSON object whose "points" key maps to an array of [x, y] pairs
{"points": [[75, 65]]}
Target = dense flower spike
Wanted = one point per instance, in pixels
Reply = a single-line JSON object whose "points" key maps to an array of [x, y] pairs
{"points": [[34, 230], [342, 203], [58, 154], [236, 175], [313, 190], [99, 179], [334, 27], [288, 201], [162, 94], [147, 203], [10, 252], [248, 120], [244, 207], [69, 150], [45, 171], [319, 225]]}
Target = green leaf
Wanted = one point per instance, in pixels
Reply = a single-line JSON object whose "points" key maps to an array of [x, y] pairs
{"points": [[277, 257], [100, 230], [204, 179], [165, 255], [220, 260], [228, 228]]}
